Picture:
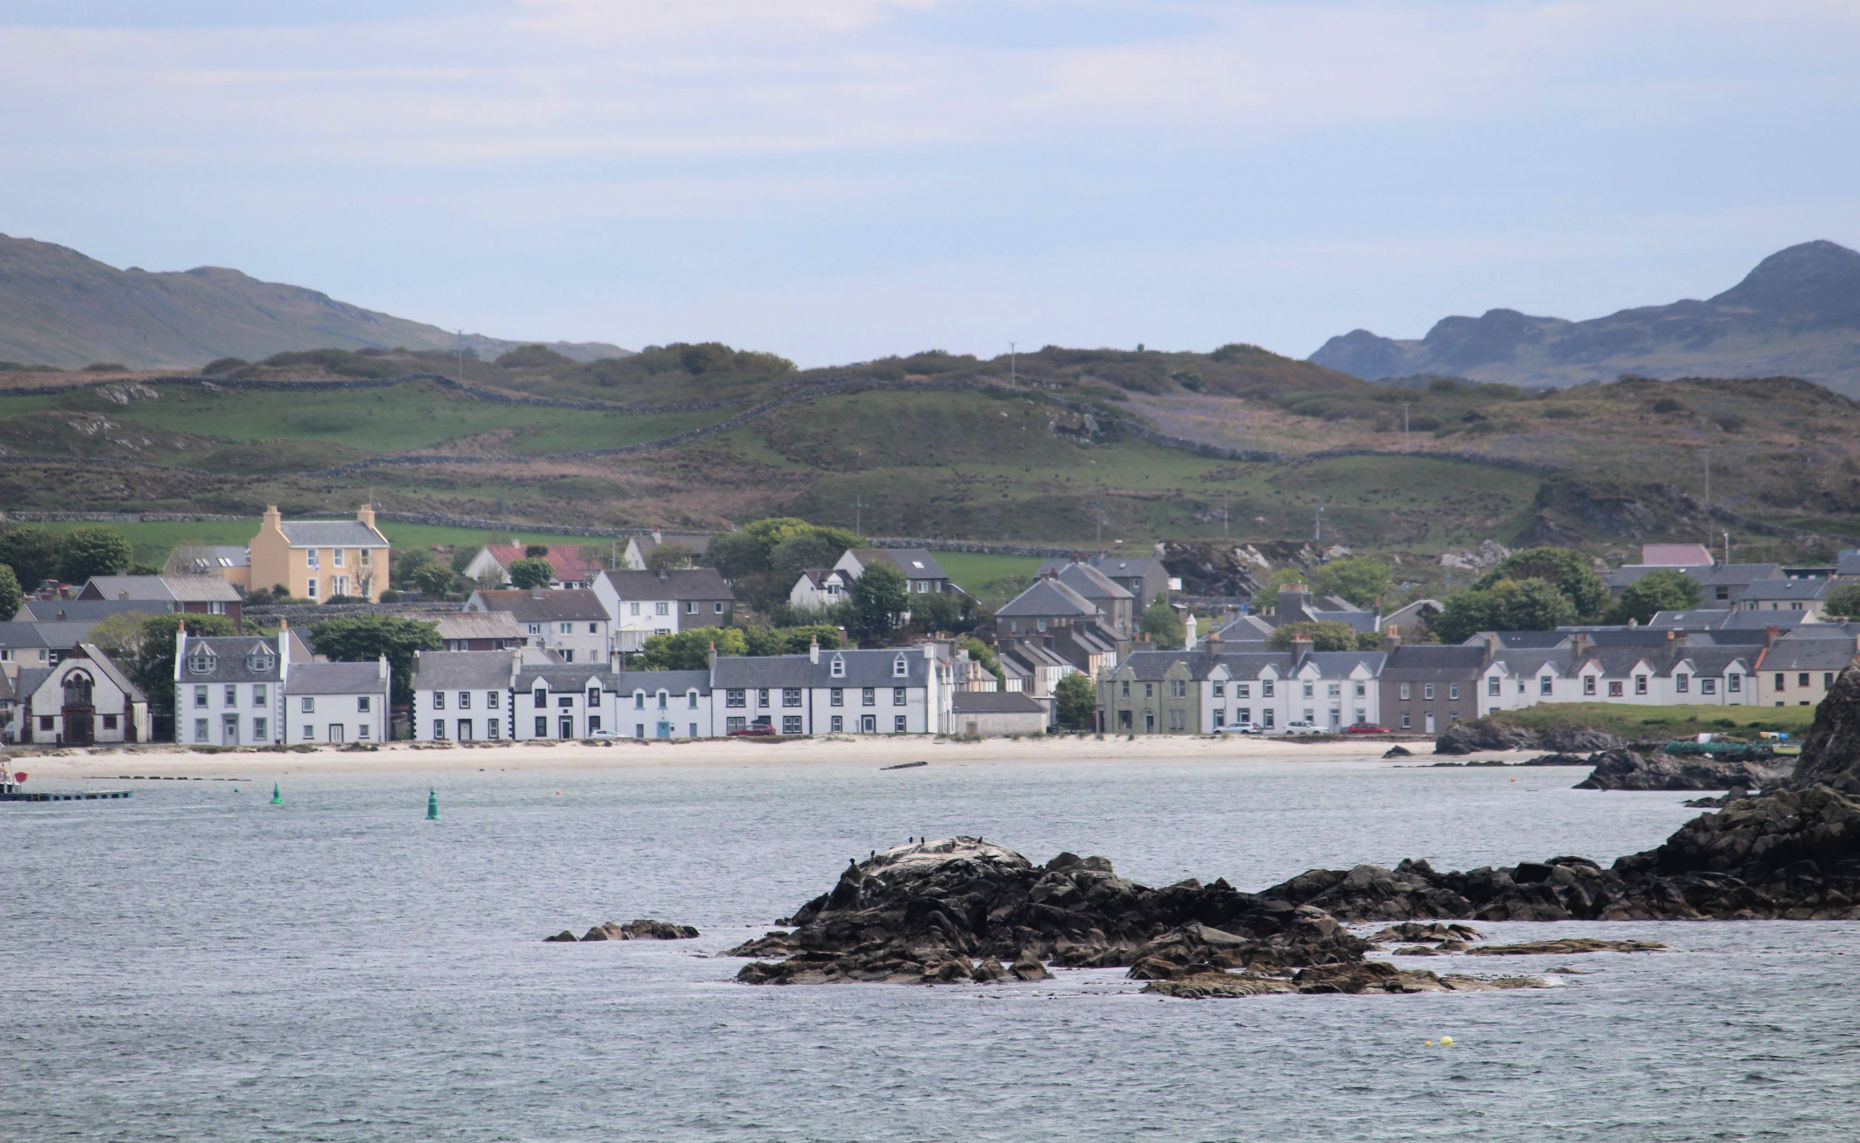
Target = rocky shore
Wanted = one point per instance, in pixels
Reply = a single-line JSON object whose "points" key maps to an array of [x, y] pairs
{"points": [[1625, 769]]}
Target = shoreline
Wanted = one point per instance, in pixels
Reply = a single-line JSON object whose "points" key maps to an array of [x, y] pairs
{"points": [[160, 760]]}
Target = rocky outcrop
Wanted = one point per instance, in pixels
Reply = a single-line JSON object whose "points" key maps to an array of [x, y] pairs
{"points": [[928, 912], [1628, 770], [1831, 748], [1482, 734], [643, 929]]}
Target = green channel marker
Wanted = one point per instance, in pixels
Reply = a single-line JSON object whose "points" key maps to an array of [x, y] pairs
{"points": [[277, 796], [432, 803]]}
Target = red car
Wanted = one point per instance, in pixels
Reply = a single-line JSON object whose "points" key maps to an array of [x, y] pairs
{"points": [[760, 728], [1365, 728]]}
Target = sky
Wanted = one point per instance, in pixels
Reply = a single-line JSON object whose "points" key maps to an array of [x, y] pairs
{"points": [[838, 180]]}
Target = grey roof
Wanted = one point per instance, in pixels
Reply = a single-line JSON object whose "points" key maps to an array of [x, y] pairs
{"points": [[996, 702], [544, 605], [863, 669], [335, 679], [1246, 629], [1787, 590], [477, 625], [331, 534], [1033, 655], [62, 636], [1713, 661], [171, 588], [31, 679], [702, 584], [564, 677], [462, 670], [1048, 598], [85, 610], [1153, 666], [1793, 653], [1709, 575], [1360, 621], [229, 660], [1848, 562], [1433, 660], [915, 563], [1246, 665], [207, 559], [1130, 566], [652, 682], [1339, 664], [1091, 583], [27, 635]]}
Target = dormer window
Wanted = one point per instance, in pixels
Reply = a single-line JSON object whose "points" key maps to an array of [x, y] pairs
{"points": [[201, 661], [899, 668], [260, 659], [837, 668]]}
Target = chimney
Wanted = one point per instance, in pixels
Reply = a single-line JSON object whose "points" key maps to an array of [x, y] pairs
{"points": [[61, 615], [1189, 626], [1292, 599], [366, 514], [1770, 634], [1301, 648], [658, 537], [813, 651], [381, 671], [536, 592], [273, 517], [1492, 645]]}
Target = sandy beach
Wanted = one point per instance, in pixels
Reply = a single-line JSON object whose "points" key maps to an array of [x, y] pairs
{"points": [[167, 760]]}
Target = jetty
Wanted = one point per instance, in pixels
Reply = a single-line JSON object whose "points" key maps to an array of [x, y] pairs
{"points": [[12, 790]]}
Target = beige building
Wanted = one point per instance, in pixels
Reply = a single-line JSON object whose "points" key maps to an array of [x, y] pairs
{"points": [[317, 559]]}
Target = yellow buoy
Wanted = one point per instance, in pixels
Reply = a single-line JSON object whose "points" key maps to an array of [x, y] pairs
{"points": [[1429, 1043], [1514, 779], [1446, 1041]]}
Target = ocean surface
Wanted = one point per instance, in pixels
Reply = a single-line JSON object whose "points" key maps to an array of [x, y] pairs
{"points": [[197, 964]]}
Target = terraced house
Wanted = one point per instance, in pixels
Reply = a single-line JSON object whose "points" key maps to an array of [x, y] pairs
{"points": [[319, 559], [1206, 690]]}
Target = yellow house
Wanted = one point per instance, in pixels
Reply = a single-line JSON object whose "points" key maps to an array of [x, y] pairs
{"points": [[317, 559]]}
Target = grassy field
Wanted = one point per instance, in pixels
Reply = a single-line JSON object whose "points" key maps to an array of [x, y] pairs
{"points": [[1648, 723], [993, 579]]}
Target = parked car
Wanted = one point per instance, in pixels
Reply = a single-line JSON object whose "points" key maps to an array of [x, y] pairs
{"points": [[1365, 728], [602, 734], [1300, 726], [763, 727], [1239, 728]]}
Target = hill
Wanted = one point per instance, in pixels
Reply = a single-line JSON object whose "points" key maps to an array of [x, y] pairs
{"points": [[1796, 314], [60, 308]]}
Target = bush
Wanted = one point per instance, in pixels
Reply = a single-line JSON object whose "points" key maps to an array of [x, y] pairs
{"points": [[533, 357], [105, 367], [221, 365]]}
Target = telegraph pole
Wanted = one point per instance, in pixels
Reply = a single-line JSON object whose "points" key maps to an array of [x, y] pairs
{"points": [[461, 349], [1407, 441], [1317, 530], [1013, 370]]}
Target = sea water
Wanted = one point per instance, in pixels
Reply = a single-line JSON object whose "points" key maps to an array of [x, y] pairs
{"points": [[197, 964]]}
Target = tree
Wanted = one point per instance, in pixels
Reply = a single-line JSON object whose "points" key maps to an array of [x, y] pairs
{"points": [[120, 636], [1326, 635], [1163, 626], [879, 595], [1507, 605], [406, 564], [809, 548], [938, 611], [94, 550], [666, 557], [1664, 590], [1359, 579], [1565, 569], [1842, 603], [690, 650], [1074, 702], [434, 579], [736, 554], [32, 553], [985, 655], [148, 659], [10, 594], [531, 572], [364, 638], [1268, 594]]}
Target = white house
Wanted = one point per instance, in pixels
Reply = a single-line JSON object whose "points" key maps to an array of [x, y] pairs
{"points": [[464, 695], [228, 689], [819, 588], [573, 624], [642, 604], [336, 702]]}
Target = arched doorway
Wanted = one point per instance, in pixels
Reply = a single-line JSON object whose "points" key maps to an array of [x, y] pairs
{"points": [[80, 716]]}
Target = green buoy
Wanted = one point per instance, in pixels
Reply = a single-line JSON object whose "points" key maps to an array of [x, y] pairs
{"points": [[432, 803], [277, 796]]}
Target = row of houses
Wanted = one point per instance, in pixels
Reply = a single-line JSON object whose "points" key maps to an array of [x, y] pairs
{"points": [[1425, 688]]}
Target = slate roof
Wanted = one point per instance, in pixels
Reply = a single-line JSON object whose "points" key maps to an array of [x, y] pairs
{"points": [[85, 610], [1048, 598], [28, 636], [1848, 562], [207, 559], [1423, 661], [478, 625], [1339, 664], [1797, 653], [171, 588], [335, 679], [996, 702], [1153, 666], [544, 605], [1713, 661], [652, 682], [702, 584], [863, 669], [1788, 590], [1091, 583], [229, 655], [1248, 665], [331, 534], [563, 678], [1708, 575], [915, 563], [1129, 566], [462, 670], [1246, 629]]}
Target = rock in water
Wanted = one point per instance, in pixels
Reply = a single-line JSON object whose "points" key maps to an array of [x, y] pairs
{"points": [[564, 935], [637, 930], [1481, 735], [1627, 770], [1831, 749]]}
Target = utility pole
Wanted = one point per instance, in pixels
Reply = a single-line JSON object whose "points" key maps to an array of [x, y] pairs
{"points": [[1727, 548], [1407, 442], [1013, 367], [858, 511], [1317, 531], [1100, 507], [1224, 518], [461, 349]]}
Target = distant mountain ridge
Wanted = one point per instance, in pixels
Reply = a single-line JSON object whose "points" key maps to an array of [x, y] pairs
{"points": [[1796, 314], [61, 308]]}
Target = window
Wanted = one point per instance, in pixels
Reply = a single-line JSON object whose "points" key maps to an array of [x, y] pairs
{"points": [[734, 698], [1640, 684], [310, 589], [1453, 692], [594, 696], [439, 728], [1407, 721], [1588, 684], [1265, 718], [200, 728], [868, 697], [791, 696], [260, 659], [535, 628], [1827, 680], [791, 724], [1308, 689], [897, 724], [361, 704], [762, 698], [1491, 685], [639, 700], [632, 609], [566, 702], [201, 661], [200, 697], [662, 607], [540, 697], [1243, 690], [1265, 688], [491, 727], [1682, 683], [1219, 690], [897, 696], [1335, 690], [542, 726], [362, 731], [1546, 685], [260, 727], [1220, 719], [735, 723], [367, 554], [1781, 685], [439, 700], [1801, 679], [1243, 715], [258, 694], [1125, 688], [1614, 688], [1427, 691], [464, 700], [490, 700], [899, 668], [594, 723], [662, 699], [836, 697], [309, 733], [1362, 690], [1708, 686], [837, 668], [1176, 721], [1404, 692], [719, 608], [309, 704], [312, 558], [339, 585], [836, 724], [1149, 690], [691, 607], [594, 628]]}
